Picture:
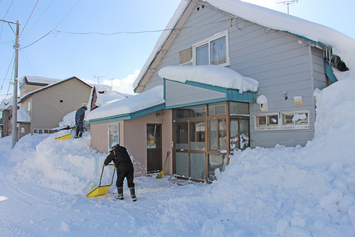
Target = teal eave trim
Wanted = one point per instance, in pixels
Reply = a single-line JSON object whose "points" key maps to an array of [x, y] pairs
{"points": [[312, 41], [129, 115], [231, 94], [329, 72]]}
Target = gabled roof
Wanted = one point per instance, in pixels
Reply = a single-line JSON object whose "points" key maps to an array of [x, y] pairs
{"points": [[35, 80], [49, 86], [340, 43]]}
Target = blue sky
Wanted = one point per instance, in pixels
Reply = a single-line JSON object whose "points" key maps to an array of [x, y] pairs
{"points": [[62, 54]]}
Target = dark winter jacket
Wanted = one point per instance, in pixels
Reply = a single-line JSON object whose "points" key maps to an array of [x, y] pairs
{"points": [[79, 115], [118, 155]]}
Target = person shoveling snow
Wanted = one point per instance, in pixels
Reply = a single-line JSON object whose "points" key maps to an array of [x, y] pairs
{"points": [[124, 167]]}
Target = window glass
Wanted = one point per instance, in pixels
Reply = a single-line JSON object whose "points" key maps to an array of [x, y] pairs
{"points": [[202, 55], [113, 134], [197, 166], [218, 51], [182, 164], [213, 135], [40, 131], [300, 118], [190, 112], [216, 164], [234, 134], [261, 121], [273, 120], [222, 134], [197, 136], [236, 108], [288, 119], [35, 131], [244, 134], [217, 109], [153, 136], [182, 136]]}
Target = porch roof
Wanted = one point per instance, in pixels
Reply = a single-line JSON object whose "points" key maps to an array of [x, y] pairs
{"points": [[147, 102]]}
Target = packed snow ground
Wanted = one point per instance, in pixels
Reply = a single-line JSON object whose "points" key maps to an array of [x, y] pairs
{"points": [[282, 191]]}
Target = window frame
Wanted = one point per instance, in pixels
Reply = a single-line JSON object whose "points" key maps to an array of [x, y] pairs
{"points": [[281, 124], [208, 42], [109, 137]]}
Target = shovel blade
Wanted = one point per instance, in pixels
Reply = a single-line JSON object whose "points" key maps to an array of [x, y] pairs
{"points": [[65, 136], [101, 190], [160, 174]]}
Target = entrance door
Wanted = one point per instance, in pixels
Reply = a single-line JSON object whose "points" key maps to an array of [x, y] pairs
{"points": [[154, 158]]}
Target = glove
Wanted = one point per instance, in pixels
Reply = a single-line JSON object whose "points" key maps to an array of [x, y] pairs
{"points": [[113, 165], [104, 165]]}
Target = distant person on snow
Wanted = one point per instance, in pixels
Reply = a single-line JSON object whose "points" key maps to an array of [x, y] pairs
{"points": [[79, 121], [124, 166]]}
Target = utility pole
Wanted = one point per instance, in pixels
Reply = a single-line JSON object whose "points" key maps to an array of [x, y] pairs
{"points": [[14, 106], [14, 98]]}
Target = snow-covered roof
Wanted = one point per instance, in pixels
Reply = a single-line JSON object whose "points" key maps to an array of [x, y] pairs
{"points": [[342, 45], [40, 80], [48, 86], [210, 74], [147, 99], [6, 104], [23, 116]]}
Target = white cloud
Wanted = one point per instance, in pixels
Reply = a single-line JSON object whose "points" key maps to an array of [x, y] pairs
{"points": [[124, 85]]}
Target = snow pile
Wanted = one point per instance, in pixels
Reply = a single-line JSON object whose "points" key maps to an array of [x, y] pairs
{"points": [[69, 165], [68, 120], [210, 74]]}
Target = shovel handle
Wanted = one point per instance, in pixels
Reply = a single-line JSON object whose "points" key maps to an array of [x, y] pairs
{"points": [[102, 172]]}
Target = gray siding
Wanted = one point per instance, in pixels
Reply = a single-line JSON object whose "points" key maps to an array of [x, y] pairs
{"points": [[178, 93], [276, 59]]}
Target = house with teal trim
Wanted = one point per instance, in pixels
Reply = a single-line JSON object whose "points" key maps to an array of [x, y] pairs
{"points": [[224, 76]]}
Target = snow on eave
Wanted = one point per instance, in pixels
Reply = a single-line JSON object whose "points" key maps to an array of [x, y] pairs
{"points": [[341, 43], [144, 100], [48, 86], [161, 41]]}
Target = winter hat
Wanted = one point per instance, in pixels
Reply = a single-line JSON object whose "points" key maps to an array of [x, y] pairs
{"points": [[85, 107], [114, 144]]}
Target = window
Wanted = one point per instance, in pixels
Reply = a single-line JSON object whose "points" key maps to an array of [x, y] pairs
{"points": [[217, 109], [185, 56], [113, 134], [295, 119], [29, 106], [283, 120], [212, 51]]}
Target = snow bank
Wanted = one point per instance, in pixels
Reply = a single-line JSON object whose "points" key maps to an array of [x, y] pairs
{"points": [[210, 74], [71, 165]]}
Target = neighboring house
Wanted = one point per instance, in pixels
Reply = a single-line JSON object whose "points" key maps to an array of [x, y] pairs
{"points": [[6, 120], [49, 104], [226, 75], [31, 83]]}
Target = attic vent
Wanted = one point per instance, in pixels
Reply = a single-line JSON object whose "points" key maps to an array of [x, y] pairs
{"points": [[185, 56]]}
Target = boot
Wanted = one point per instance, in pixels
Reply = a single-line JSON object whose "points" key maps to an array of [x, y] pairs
{"points": [[133, 194], [119, 193], [77, 133]]}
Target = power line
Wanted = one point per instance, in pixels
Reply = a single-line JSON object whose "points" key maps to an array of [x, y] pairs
{"points": [[38, 19], [29, 17], [53, 28], [8, 70], [137, 32], [8, 9]]}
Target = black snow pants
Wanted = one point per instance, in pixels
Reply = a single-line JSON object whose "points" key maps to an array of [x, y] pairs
{"points": [[125, 169]]}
